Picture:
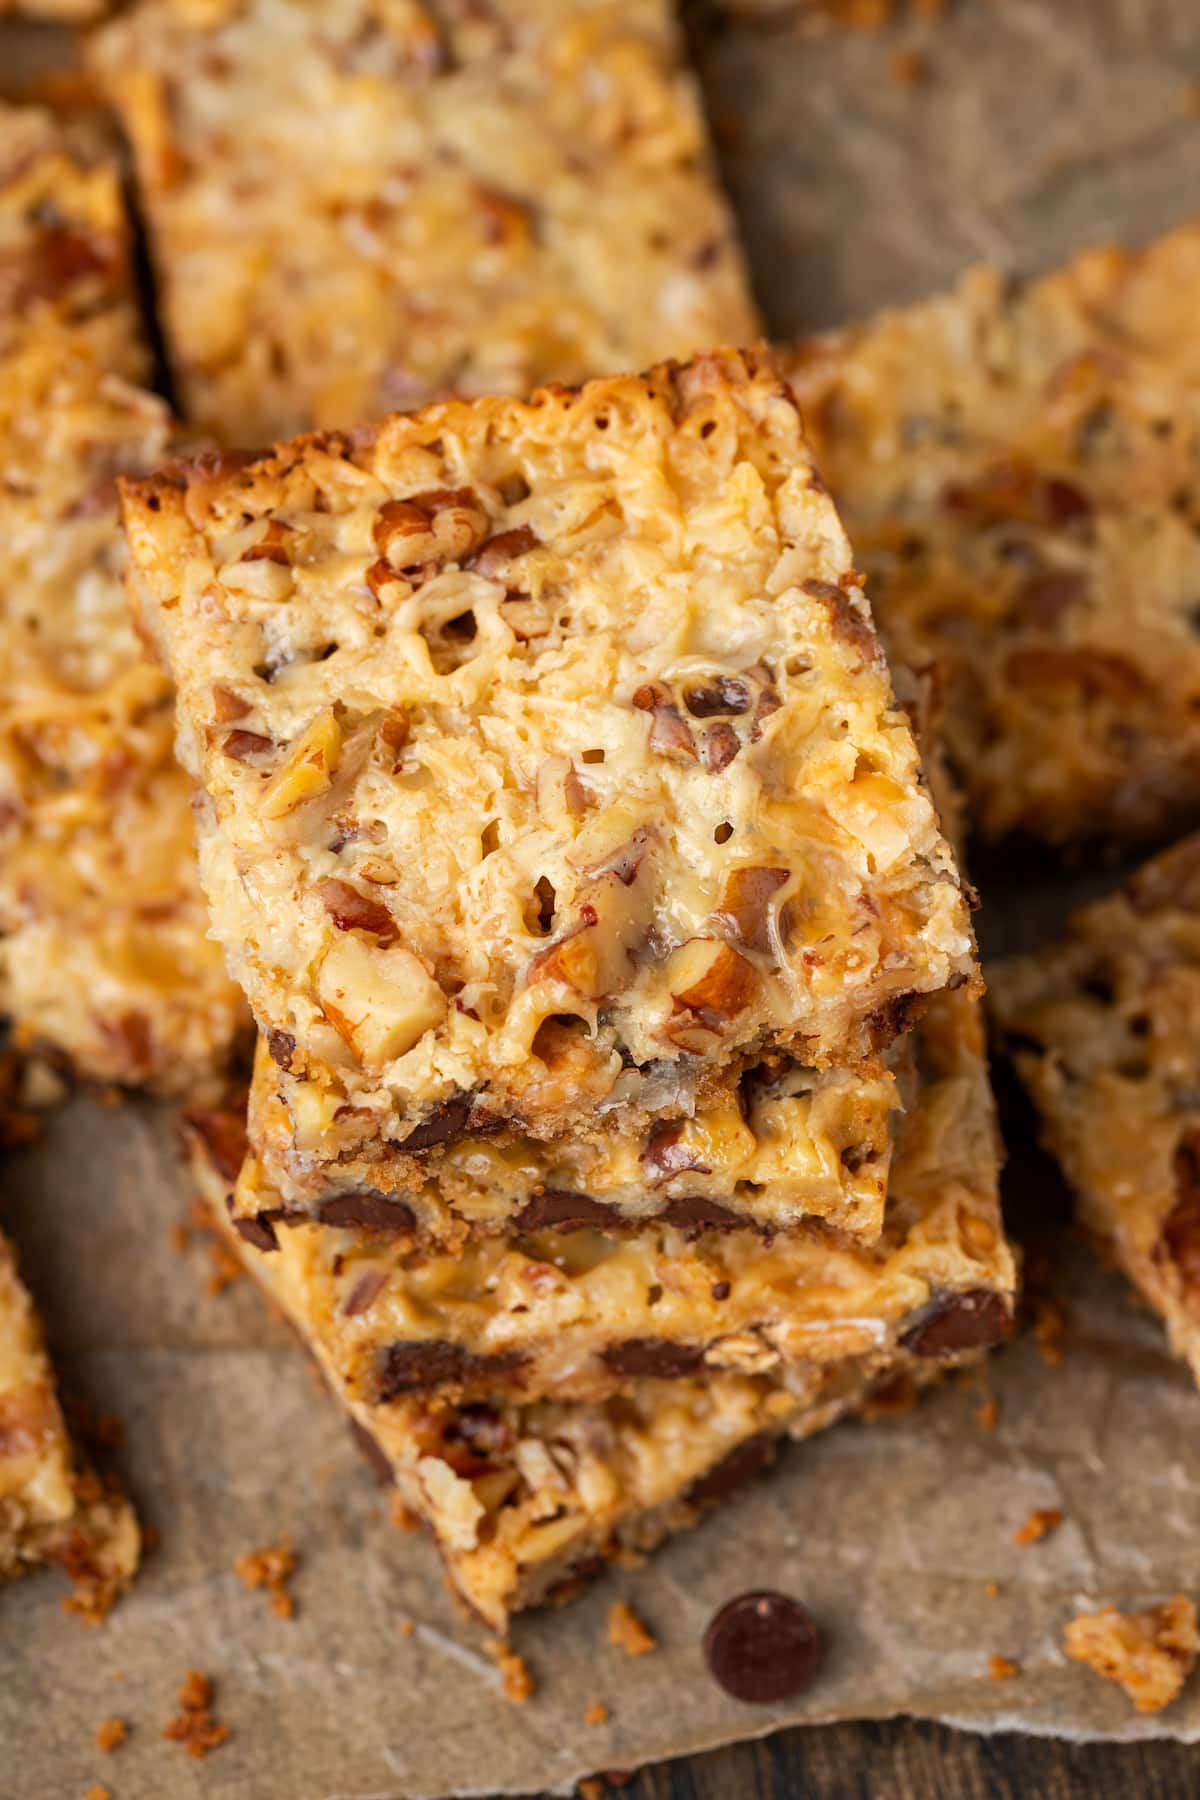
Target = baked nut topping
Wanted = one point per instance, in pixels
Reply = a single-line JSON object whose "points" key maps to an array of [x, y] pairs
{"points": [[1016, 466], [52, 1510], [532, 202], [1104, 1027], [577, 911], [104, 947]]}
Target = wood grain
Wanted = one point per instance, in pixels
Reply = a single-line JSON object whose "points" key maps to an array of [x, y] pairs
{"points": [[908, 1759]]}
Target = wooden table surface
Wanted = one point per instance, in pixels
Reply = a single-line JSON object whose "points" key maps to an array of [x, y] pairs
{"points": [[909, 1759]]}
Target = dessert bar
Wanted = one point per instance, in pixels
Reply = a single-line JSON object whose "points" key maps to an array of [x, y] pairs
{"points": [[1104, 1028], [551, 765], [497, 196], [104, 947], [1017, 469], [51, 1509]]}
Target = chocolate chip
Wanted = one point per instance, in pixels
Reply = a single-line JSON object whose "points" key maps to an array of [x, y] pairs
{"points": [[694, 1213], [408, 1366], [734, 1470], [365, 1209], [282, 1048], [971, 1320], [259, 1229], [763, 1647], [654, 1357], [445, 1121], [373, 1453], [556, 1210]]}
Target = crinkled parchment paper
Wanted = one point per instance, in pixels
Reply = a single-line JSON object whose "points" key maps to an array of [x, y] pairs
{"points": [[1044, 124]]}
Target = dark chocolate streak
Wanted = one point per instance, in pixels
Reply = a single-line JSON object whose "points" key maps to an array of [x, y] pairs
{"points": [[413, 1366], [971, 1320], [653, 1357], [365, 1209]]}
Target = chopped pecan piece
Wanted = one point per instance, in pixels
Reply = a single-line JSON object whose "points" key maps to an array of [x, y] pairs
{"points": [[431, 529], [708, 976], [493, 558], [670, 733], [352, 910], [723, 694], [745, 905]]}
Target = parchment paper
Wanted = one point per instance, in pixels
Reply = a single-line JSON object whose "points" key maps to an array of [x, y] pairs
{"points": [[1044, 124]]}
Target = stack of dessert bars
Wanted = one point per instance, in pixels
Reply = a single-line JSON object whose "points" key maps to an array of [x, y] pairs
{"points": [[619, 1100], [620, 1104]]}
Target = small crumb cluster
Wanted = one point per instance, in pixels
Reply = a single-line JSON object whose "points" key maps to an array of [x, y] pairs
{"points": [[195, 1725], [1150, 1653], [271, 1569]]}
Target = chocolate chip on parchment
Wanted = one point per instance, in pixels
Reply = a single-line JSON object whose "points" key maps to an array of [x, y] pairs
{"points": [[763, 1647], [948, 1323], [556, 1210], [654, 1357], [365, 1209]]}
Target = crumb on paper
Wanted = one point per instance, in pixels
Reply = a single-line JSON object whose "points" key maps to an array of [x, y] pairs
{"points": [[992, 1589], [627, 1632], [1150, 1654], [406, 1628], [1040, 1523], [194, 1725], [1002, 1668], [94, 1590], [271, 1568], [596, 1714], [515, 1678], [111, 1734], [98, 1792]]}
